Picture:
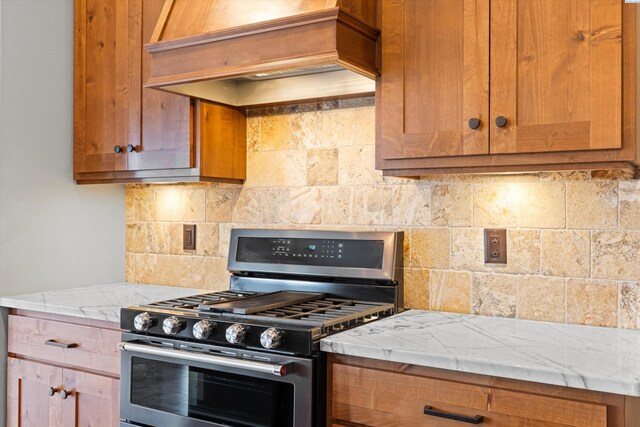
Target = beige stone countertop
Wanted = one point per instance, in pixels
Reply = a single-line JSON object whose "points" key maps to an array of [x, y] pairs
{"points": [[101, 302]]}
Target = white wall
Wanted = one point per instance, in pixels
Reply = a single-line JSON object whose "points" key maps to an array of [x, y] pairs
{"points": [[53, 233]]}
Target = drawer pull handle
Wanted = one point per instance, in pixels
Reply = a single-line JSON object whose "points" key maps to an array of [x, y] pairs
{"points": [[51, 391], [64, 394], [478, 419], [61, 344]]}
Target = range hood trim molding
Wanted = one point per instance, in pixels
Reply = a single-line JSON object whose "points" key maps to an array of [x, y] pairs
{"points": [[332, 36], [265, 27]]}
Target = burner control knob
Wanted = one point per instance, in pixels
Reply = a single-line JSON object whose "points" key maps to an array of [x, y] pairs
{"points": [[203, 329], [271, 338], [172, 325], [143, 321], [235, 333]]}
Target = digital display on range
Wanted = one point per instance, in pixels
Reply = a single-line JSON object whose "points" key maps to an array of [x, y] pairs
{"points": [[315, 252]]}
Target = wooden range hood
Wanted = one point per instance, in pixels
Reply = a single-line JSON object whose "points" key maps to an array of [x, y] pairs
{"points": [[259, 52]]}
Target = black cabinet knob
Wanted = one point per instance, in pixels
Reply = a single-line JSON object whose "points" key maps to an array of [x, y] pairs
{"points": [[501, 121], [117, 149], [130, 148], [474, 123]]}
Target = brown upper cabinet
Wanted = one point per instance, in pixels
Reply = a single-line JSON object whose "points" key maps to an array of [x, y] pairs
{"points": [[506, 85], [124, 132]]}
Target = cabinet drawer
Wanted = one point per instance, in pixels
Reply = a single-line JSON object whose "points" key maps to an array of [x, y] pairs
{"points": [[379, 398], [91, 348]]}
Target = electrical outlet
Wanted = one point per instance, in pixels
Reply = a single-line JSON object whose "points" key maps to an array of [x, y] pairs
{"points": [[189, 237], [495, 246]]}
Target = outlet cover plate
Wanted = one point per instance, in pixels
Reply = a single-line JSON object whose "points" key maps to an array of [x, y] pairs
{"points": [[495, 246], [189, 237]]}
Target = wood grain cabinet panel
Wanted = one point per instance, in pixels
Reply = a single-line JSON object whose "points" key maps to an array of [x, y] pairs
{"points": [[556, 75], [30, 401], [548, 409], [435, 78], [105, 40], [379, 398], [35, 396], [93, 400], [365, 392], [156, 133], [166, 137], [552, 84]]}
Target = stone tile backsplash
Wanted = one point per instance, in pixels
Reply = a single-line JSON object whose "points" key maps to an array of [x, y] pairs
{"points": [[573, 237]]}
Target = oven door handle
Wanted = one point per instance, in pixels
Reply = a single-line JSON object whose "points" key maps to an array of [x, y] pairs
{"points": [[277, 369]]}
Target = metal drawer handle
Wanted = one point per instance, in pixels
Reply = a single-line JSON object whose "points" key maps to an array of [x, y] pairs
{"points": [[478, 419], [55, 343], [277, 369]]}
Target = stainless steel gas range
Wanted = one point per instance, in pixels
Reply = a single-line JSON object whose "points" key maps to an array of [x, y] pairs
{"points": [[249, 356]]}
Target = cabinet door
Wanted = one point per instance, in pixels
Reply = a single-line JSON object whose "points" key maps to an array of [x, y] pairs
{"points": [[93, 400], [107, 38], [166, 139], [556, 75], [434, 78], [29, 402]]}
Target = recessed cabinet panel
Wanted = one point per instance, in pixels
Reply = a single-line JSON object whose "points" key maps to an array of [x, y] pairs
{"points": [[102, 84], [93, 399], [33, 394], [556, 75], [166, 138], [434, 78]]}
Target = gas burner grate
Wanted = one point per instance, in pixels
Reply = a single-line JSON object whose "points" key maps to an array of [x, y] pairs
{"points": [[333, 313], [192, 302], [327, 313]]}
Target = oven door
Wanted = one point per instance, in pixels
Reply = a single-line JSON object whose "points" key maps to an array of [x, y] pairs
{"points": [[162, 384]]}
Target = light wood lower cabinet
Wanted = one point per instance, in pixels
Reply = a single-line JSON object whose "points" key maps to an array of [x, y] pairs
{"points": [[62, 371], [365, 392], [46, 395]]}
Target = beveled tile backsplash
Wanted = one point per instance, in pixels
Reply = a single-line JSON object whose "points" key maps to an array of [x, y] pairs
{"points": [[573, 237]]}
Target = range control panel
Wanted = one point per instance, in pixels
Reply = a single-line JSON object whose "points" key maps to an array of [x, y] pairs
{"points": [[319, 252], [307, 248]]}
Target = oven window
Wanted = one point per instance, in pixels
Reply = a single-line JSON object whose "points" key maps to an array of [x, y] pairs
{"points": [[222, 397]]}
